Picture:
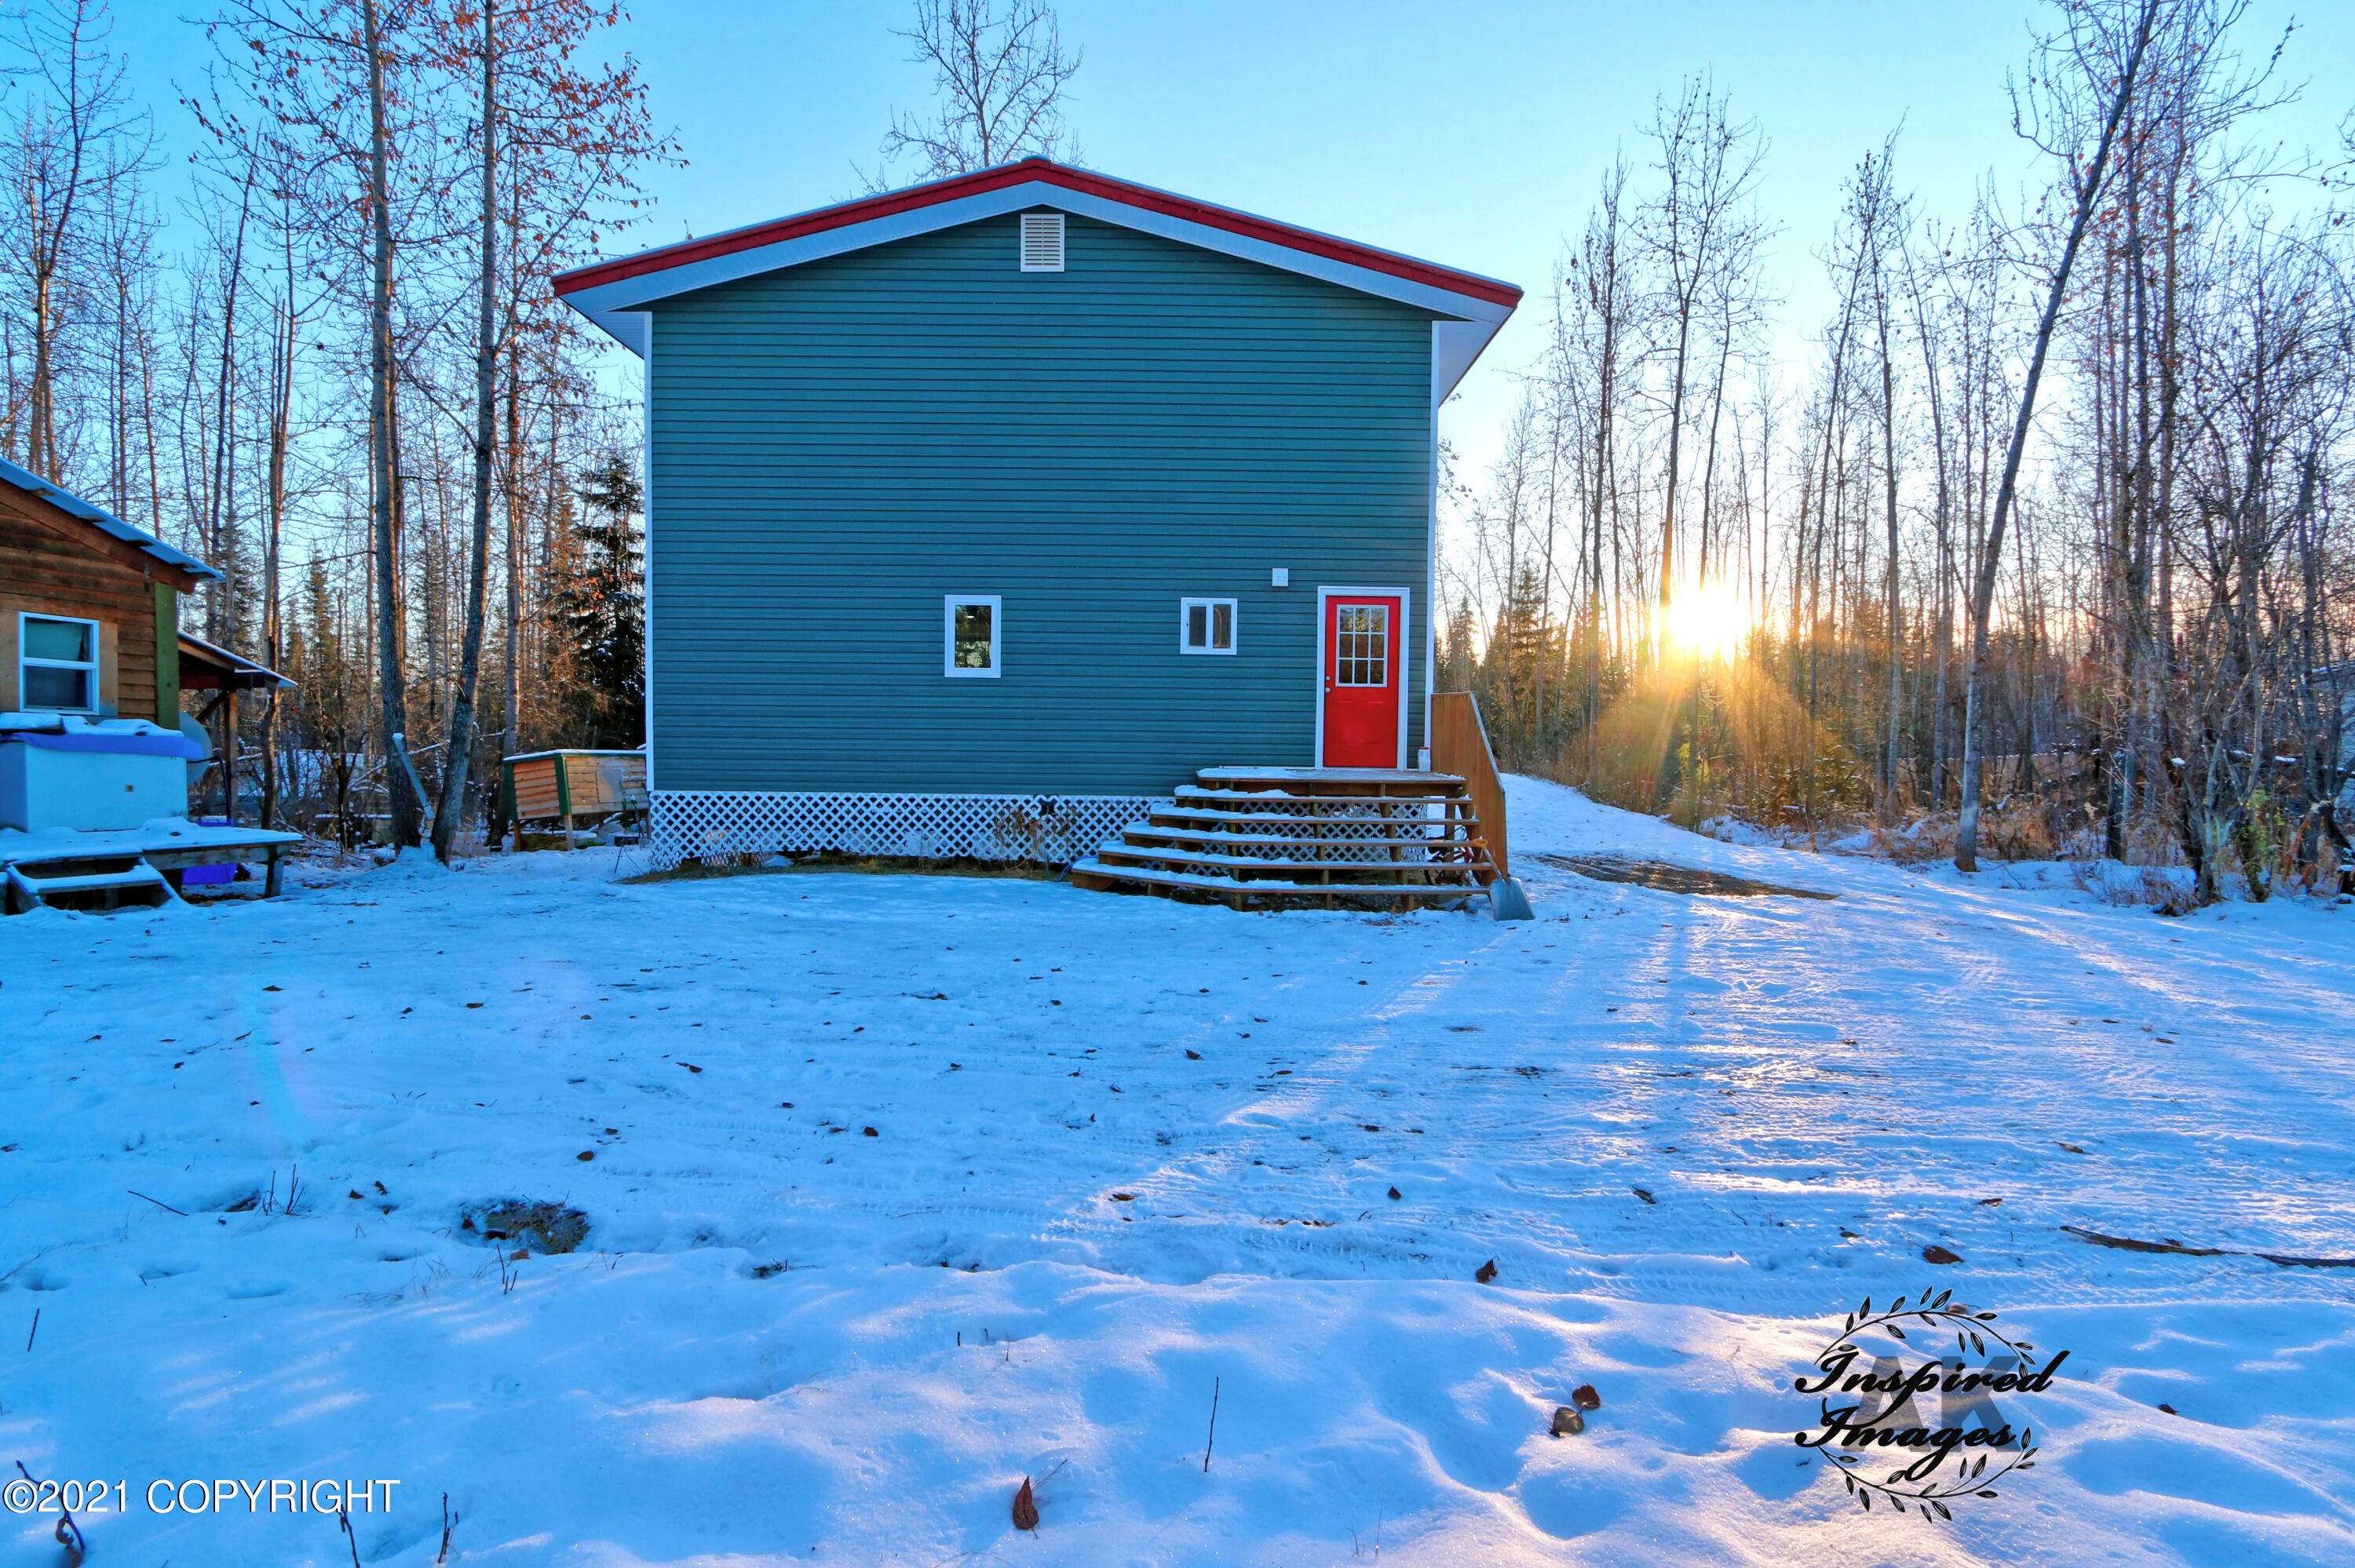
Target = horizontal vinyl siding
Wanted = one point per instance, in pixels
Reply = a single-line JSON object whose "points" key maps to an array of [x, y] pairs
{"points": [[838, 446]]}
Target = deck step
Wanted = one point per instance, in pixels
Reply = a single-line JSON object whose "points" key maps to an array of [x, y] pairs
{"points": [[101, 883], [1245, 867], [1266, 837], [1295, 798], [1178, 816], [1384, 782], [1093, 872], [1258, 811], [1142, 833]]}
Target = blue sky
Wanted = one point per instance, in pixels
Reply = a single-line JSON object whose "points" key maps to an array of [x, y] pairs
{"points": [[1471, 134]]}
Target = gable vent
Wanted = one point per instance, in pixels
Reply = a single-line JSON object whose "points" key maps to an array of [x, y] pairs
{"points": [[1043, 242]]}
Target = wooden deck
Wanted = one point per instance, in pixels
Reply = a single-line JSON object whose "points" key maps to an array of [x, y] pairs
{"points": [[106, 868], [1328, 781]]}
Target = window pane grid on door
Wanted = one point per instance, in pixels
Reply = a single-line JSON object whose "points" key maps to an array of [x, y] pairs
{"points": [[1361, 650]]}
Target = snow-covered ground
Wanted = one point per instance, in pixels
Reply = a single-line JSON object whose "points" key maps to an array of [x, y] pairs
{"points": [[1124, 1151]]}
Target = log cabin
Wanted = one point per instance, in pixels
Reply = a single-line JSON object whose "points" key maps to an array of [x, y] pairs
{"points": [[93, 753], [89, 606]]}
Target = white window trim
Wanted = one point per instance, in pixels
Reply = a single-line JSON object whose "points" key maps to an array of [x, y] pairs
{"points": [[26, 662], [1185, 617], [948, 635]]}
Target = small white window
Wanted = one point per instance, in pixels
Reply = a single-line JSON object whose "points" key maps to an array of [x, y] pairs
{"points": [[969, 636], [1206, 626], [57, 663], [1043, 242]]}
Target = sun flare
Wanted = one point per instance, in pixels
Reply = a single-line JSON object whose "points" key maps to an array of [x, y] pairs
{"points": [[1708, 622]]}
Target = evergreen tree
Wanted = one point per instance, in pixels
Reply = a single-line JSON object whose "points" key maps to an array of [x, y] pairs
{"points": [[603, 615], [328, 720], [1459, 655], [1522, 676]]}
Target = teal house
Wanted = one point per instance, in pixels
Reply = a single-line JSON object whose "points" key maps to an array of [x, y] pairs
{"points": [[980, 514]]}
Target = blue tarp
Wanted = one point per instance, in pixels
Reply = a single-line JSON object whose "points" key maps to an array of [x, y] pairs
{"points": [[160, 744]]}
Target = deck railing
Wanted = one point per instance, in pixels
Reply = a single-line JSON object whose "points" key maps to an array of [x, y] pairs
{"points": [[1459, 745]]}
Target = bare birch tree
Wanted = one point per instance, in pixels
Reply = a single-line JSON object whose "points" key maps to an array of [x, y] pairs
{"points": [[2089, 81], [998, 74], [1703, 238], [72, 143]]}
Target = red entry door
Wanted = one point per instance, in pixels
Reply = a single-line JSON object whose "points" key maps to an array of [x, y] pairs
{"points": [[1363, 648]]}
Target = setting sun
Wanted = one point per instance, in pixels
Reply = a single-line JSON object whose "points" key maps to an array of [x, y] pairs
{"points": [[1706, 622]]}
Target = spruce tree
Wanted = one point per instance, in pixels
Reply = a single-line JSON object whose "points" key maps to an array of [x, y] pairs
{"points": [[602, 614]]}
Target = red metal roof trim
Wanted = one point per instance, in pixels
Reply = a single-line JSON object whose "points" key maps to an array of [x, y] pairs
{"points": [[1040, 169]]}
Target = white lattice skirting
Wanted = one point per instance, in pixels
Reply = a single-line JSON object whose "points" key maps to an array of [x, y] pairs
{"points": [[710, 824]]}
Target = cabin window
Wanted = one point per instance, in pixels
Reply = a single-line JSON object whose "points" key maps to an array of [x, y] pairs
{"points": [[1206, 626], [969, 633], [57, 663]]}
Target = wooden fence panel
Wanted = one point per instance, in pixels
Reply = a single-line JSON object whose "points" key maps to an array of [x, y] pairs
{"points": [[1459, 745]]}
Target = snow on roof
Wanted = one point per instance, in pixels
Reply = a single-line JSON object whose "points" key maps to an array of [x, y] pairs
{"points": [[243, 671], [103, 521]]}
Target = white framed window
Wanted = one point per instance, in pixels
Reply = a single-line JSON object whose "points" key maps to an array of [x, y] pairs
{"points": [[969, 625], [1206, 626], [57, 663]]}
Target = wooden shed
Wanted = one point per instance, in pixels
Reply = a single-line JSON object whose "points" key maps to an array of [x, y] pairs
{"points": [[563, 790]]}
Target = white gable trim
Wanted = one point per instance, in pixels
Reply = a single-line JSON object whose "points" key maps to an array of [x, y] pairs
{"points": [[616, 307], [1453, 347]]}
